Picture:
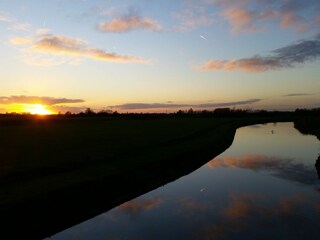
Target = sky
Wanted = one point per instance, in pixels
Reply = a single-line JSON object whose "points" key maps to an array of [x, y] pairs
{"points": [[159, 56]]}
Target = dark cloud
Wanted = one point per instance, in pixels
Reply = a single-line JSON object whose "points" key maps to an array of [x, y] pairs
{"points": [[132, 106], [64, 109], [286, 57], [296, 94], [37, 100], [300, 52]]}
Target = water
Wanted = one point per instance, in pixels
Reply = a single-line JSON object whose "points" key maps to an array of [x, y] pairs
{"points": [[265, 186]]}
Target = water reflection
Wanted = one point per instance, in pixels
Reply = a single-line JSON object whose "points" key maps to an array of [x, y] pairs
{"points": [[252, 216], [138, 206], [284, 168], [265, 186]]}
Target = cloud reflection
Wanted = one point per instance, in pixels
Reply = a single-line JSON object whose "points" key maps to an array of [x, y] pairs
{"points": [[140, 205], [260, 218], [283, 168]]}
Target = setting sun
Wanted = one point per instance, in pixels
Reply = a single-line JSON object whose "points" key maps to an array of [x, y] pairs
{"points": [[38, 109]]}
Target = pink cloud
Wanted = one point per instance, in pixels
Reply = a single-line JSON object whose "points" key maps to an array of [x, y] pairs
{"points": [[256, 15], [129, 23], [242, 20], [289, 20]]}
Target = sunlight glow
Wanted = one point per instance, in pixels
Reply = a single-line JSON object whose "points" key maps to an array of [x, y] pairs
{"points": [[38, 109]]}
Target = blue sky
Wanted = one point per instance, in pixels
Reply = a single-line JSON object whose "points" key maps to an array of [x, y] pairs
{"points": [[152, 55]]}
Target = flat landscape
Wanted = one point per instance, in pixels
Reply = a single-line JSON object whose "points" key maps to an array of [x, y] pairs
{"points": [[58, 171]]}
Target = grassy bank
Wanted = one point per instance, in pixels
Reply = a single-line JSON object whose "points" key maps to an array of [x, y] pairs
{"points": [[59, 172]]}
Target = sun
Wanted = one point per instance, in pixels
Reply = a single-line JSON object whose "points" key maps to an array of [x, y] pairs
{"points": [[38, 109]]}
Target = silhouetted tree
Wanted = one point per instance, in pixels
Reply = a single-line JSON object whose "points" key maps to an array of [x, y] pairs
{"points": [[190, 111], [89, 112]]}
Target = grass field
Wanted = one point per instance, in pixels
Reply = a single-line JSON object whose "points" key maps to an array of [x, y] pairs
{"points": [[58, 172]]}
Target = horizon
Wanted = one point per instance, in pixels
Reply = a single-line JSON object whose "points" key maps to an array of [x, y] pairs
{"points": [[149, 56]]}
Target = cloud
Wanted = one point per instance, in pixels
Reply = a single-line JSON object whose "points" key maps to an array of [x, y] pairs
{"points": [[36, 100], [20, 40], [137, 205], [191, 18], [133, 106], [241, 205], [76, 47], [286, 57], [290, 20], [72, 47], [296, 94], [191, 208], [279, 167], [250, 214], [129, 22], [22, 27], [64, 109], [5, 19], [257, 15], [241, 20]]}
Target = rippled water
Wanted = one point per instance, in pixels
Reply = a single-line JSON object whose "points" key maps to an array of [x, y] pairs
{"points": [[265, 186]]}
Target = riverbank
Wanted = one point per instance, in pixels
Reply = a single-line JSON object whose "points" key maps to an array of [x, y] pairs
{"points": [[57, 173]]}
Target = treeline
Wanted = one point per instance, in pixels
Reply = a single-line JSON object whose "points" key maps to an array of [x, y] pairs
{"points": [[218, 112]]}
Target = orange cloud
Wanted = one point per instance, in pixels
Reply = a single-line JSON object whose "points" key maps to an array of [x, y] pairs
{"points": [[251, 161], [46, 49], [20, 41], [55, 44], [128, 23]]}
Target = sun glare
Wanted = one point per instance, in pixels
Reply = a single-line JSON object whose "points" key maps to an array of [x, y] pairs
{"points": [[38, 109]]}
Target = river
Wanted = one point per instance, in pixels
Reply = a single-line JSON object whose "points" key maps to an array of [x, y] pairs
{"points": [[265, 186]]}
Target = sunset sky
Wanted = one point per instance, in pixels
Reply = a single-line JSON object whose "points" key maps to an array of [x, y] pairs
{"points": [[152, 56]]}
